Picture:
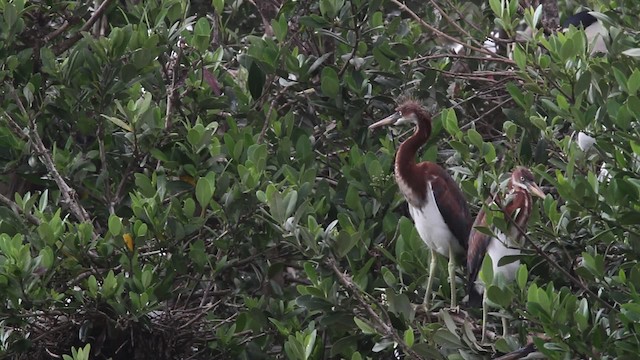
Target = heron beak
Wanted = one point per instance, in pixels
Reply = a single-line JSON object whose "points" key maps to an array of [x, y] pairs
{"points": [[389, 120], [535, 190]]}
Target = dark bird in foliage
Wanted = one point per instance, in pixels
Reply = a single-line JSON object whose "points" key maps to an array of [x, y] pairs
{"points": [[595, 32], [517, 209], [436, 203]]}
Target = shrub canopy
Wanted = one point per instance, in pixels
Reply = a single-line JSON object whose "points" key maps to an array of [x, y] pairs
{"points": [[198, 181]]}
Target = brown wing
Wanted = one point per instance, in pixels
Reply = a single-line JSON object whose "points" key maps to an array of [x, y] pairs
{"points": [[478, 244], [450, 201]]}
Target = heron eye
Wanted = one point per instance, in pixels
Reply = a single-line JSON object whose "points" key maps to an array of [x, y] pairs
{"points": [[522, 178]]}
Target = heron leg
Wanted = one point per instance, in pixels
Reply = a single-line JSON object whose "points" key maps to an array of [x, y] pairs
{"points": [[485, 310], [505, 327], [432, 270], [452, 277]]}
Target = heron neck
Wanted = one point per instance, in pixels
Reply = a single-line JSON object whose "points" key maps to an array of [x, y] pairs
{"points": [[519, 210], [406, 155]]}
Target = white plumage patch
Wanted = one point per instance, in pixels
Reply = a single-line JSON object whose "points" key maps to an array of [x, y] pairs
{"points": [[596, 35], [431, 226], [499, 247]]}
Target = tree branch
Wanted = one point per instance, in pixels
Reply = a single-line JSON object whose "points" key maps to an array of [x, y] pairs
{"points": [[555, 264], [77, 36], [69, 195], [382, 326], [439, 33], [16, 209]]}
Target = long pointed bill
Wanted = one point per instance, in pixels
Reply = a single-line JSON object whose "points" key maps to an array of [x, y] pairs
{"points": [[535, 190], [389, 120]]}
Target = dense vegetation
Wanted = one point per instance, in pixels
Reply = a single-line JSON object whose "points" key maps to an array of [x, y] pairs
{"points": [[199, 182]]}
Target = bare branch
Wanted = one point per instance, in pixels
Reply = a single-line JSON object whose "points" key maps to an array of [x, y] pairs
{"points": [[76, 37], [380, 325], [555, 264], [456, 56], [439, 33], [171, 93], [16, 209], [69, 195]]}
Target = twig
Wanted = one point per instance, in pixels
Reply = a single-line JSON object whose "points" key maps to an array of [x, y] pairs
{"points": [[462, 16], [380, 325], [125, 176], [356, 31], [447, 36], [69, 195], [16, 209], [518, 354], [77, 36], [103, 168], [171, 94], [453, 22], [13, 125], [486, 113], [456, 56], [57, 32], [556, 265], [205, 311], [267, 120]]}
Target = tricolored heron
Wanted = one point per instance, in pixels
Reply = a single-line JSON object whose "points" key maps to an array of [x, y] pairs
{"points": [[517, 207], [436, 204]]}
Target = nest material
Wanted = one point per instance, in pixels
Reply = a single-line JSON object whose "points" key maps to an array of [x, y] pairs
{"points": [[159, 335]]}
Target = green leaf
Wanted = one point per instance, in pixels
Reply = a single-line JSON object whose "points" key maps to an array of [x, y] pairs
{"points": [[633, 84], [538, 122], [521, 276], [344, 243], [451, 122], [475, 138], [388, 276], [204, 192], [567, 50], [198, 253], [218, 6], [582, 315], [202, 34], [10, 15], [314, 21], [510, 129], [330, 85], [621, 78], [486, 271], [496, 7], [256, 80], [502, 297], [364, 326], [330, 8], [115, 225], [310, 270], [520, 57], [309, 343], [109, 285], [399, 304], [280, 27], [46, 257], [409, 337], [118, 122], [517, 95]]}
